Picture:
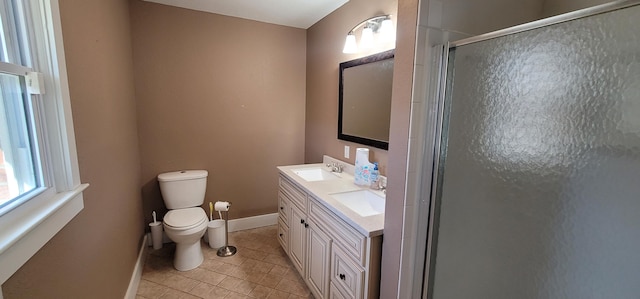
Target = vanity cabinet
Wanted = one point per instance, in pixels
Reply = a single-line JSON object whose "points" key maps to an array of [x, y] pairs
{"points": [[335, 260]]}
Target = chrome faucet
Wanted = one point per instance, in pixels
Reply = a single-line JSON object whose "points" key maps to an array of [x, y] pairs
{"points": [[381, 186], [383, 189], [335, 167]]}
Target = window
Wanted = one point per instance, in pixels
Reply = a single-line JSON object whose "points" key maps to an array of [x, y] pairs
{"points": [[19, 168], [40, 189]]}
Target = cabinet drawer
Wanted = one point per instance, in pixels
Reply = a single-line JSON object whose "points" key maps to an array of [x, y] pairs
{"points": [[283, 207], [353, 242], [347, 276], [334, 293], [293, 193], [283, 235]]}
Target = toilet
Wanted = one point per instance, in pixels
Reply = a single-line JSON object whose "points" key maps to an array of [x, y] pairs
{"points": [[186, 222]]}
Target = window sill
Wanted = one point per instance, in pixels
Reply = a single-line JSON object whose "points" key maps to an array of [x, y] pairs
{"points": [[28, 227]]}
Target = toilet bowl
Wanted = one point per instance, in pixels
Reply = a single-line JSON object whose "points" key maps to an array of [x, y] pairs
{"points": [[185, 227], [186, 222]]}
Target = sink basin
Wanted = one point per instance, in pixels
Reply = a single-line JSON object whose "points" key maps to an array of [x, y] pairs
{"points": [[363, 202], [315, 174]]}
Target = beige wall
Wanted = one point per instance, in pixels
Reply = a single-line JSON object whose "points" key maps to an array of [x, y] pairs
{"points": [[93, 256], [325, 41], [218, 93], [398, 146]]}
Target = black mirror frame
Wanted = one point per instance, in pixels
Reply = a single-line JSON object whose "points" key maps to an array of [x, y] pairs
{"points": [[347, 64]]}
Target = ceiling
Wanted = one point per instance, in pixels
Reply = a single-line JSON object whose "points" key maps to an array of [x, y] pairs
{"points": [[293, 13]]}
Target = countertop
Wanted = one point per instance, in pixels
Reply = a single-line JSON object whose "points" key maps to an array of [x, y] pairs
{"points": [[370, 226]]}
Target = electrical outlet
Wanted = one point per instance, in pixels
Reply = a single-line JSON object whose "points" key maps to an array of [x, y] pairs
{"points": [[346, 151]]}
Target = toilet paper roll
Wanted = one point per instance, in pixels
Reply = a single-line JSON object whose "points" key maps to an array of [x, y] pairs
{"points": [[221, 206]]}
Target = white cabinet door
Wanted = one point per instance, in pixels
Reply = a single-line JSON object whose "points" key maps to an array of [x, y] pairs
{"points": [[298, 238], [318, 261]]}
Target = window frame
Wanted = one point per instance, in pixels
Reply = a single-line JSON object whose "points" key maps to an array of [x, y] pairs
{"points": [[26, 225]]}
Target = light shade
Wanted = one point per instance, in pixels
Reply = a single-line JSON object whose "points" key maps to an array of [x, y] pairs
{"points": [[350, 45], [366, 41], [387, 32]]}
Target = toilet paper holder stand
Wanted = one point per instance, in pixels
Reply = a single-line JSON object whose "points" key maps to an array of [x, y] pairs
{"points": [[226, 250]]}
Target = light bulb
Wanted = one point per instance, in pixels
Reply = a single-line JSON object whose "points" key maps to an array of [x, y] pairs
{"points": [[350, 45], [366, 41], [387, 32]]}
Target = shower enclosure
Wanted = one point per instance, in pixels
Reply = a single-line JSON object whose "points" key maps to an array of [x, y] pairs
{"points": [[536, 190]]}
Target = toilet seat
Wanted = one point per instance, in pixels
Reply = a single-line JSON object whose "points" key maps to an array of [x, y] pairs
{"points": [[184, 219]]}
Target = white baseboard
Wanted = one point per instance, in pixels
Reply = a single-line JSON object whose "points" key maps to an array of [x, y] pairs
{"points": [[234, 225], [137, 271], [253, 222]]}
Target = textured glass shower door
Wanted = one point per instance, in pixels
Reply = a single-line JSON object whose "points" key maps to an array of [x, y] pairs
{"points": [[538, 191]]}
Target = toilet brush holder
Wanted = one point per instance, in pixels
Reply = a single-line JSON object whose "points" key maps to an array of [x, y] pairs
{"points": [[226, 250], [156, 234]]}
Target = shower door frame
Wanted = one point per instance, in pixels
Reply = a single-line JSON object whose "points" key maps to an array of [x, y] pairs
{"points": [[441, 93]]}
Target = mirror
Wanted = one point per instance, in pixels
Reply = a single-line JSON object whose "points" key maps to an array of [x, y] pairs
{"points": [[364, 111]]}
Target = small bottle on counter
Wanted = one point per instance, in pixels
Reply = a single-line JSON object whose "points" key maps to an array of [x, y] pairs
{"points": [[374, 176]]}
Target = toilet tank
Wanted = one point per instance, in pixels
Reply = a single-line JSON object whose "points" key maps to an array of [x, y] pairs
{"points": [[183, 189]]}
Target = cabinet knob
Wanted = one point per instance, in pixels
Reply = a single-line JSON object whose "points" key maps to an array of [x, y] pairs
{"points": [[342, 276]]}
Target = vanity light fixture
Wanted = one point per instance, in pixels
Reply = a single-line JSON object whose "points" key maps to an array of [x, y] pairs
{"points": [[381, 25]]}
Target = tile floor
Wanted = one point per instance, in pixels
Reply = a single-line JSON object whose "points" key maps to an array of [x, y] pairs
{"points": [[260, 269]]}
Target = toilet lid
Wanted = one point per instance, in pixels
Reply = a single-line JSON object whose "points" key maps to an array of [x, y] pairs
{"points": [[185, 217]]}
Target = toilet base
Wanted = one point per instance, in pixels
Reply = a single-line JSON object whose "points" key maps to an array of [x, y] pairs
{"points": [[187, 256]]}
